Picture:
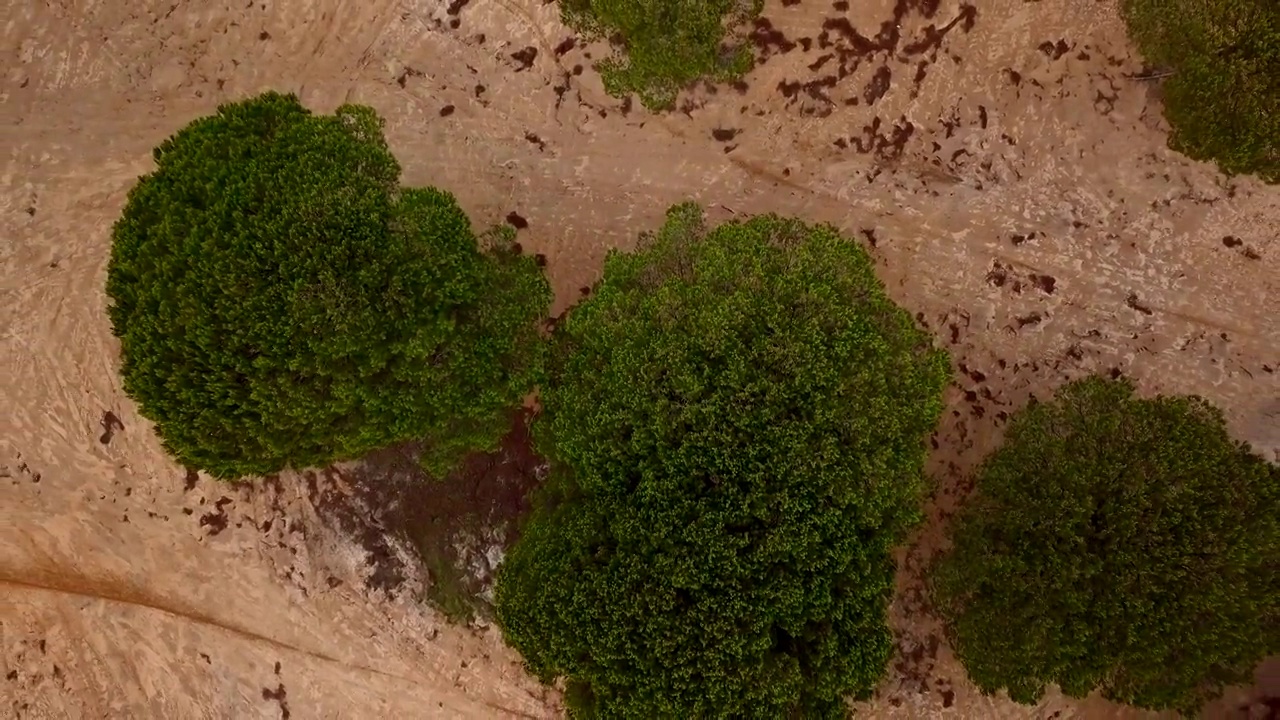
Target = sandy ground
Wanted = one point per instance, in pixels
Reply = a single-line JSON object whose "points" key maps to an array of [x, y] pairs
{"points": [[1007, 172]]}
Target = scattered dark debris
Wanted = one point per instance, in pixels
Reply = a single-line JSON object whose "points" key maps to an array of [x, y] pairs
{"points": [[1024, 320], [1251, 254], [975, 375], [870, 235], [1020, 239], [533, 138], [280, 696], [216, 521], [1132, 301], [1046, 283], [403, 79], [110, 425], [948, 697], [516, 220], [768, 39], [982, 116], [878, 86], [724, 134], [1014, 76], [1054, 50], [189, 481], [264, 35], [207, 660], [1115, 373], [455, 7], [566, 45]]}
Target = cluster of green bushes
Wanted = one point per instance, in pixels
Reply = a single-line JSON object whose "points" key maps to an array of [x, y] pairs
{"points": [[735, 420]]}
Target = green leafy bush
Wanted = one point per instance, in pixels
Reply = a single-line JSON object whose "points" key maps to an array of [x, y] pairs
{"points": [[281, 301], [664, 45], [735, 421], [1223, 97], [1116, 543]]}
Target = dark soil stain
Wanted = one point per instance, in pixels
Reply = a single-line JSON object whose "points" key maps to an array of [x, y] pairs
{"points": [[886, 147], [565, 46], [878, 86], [280, 696], [768, 39], [1024, 320], [1046, 283], [189, 481], [1132, 302], [110, 425], [489, 490], [1232, 241], [533, 138], [725, 134], [525, 57], [447, 110], [403, 79], [1054, 50], [516, 220], [216, 521], [455, 7]]}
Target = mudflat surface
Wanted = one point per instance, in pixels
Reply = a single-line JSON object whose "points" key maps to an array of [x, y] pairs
{"points": [[997, 157]]}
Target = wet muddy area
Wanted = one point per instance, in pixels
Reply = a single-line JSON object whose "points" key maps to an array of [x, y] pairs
{"points": [[457, 529]]}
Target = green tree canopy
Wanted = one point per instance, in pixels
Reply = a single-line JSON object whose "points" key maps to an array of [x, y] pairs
{"points": [[664, 45], [280, 300], [1223, 98], [736, 423], [1116, 543]]}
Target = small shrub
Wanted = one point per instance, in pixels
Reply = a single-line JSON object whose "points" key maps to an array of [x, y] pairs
{"points": [[1116, 543], [1223, 97], [664, 45], [281, 301], [735, 422]]}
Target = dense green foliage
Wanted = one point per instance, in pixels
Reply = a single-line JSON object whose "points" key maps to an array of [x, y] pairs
{"points": [[1223, 98], [1116, 543], [281, 301], [736, 423], [664, 45]]}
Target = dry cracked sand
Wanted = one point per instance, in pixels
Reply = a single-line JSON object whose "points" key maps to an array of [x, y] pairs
{"points": [[1003, 161]]}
